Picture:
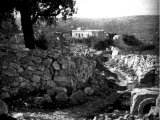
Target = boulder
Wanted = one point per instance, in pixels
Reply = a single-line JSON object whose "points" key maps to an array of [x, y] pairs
{"points": [[60, 89], [47, 77], [10, 71], [62, 97], [88, 91], [15, 84], [47, 62], [23, 84], [77, 97], [56, 66], [31, 68], [36, 78], [39, 100], [37, 59], [65, 65], [61, 80], [51, 83], [21, 54], [41, 68], [51, 92]]}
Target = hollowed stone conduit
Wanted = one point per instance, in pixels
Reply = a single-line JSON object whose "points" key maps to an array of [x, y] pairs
{"points": [[142, 97], [144, 103]]}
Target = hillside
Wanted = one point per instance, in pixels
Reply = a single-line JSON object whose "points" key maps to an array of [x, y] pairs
{"points": [[145, 28]]}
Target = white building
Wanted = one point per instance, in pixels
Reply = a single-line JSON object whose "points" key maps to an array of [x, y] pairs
{"points": [[79, 33]]}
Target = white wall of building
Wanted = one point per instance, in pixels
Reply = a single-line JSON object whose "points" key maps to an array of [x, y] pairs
{"points": [[87, 33]]}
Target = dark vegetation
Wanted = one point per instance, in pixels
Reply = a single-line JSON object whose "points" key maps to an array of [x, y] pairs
{"points": [[6, 117], [7, 29], [131, 40], [31, 10]]}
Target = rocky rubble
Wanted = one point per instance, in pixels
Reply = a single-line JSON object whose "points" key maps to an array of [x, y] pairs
{"points": [[133, 67]]}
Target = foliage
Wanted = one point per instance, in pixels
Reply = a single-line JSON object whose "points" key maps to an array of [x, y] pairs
{"points": [[8, 28], [87, 41], [41, 42], [131, 40], [110, 38], [101, 45], [148, 47], [31, 10]]}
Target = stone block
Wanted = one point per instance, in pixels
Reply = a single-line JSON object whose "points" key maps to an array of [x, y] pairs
{"points": [[21, 54], [55, 65], [51, 83], [20, 69], [39, 100], [36, 78], [37, 60], [31, 68], [23, 84], [34, 84], [41, 68], [77, 97], [10, 72], [62, 97], [47, 77], [47, 62], [15, 84], [47, 71], [88, 91], [51, 92], [61, 80], [60, 89], [65, 65]]}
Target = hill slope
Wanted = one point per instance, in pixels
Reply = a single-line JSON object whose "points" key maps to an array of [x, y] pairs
{"points": [[145, 28]]}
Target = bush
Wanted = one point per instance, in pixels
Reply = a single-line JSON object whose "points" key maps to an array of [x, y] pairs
{"points": [[131, 40], [7, 29], [41, 42], [87, 41], [110, 39], [101, 45], [149, 47]]}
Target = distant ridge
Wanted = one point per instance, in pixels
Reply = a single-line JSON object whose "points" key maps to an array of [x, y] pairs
{"points": [[144, 27]]}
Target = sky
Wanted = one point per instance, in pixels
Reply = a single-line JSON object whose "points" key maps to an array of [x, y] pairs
{"points": [[115, 8]]}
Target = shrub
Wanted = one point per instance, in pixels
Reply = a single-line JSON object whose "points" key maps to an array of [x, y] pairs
{"points": [[131, 40], [101, 45], [149, 47], [41, 42], [87, 41]]}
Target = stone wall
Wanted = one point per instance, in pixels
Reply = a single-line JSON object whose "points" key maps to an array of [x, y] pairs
{"points": [[42, 70]]}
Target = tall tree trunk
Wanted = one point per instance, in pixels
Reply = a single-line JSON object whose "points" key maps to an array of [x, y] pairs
{"points": [[27, 27]]}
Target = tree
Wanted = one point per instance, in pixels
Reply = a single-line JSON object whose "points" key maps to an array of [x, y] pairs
{"points": [[31, 10]]}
